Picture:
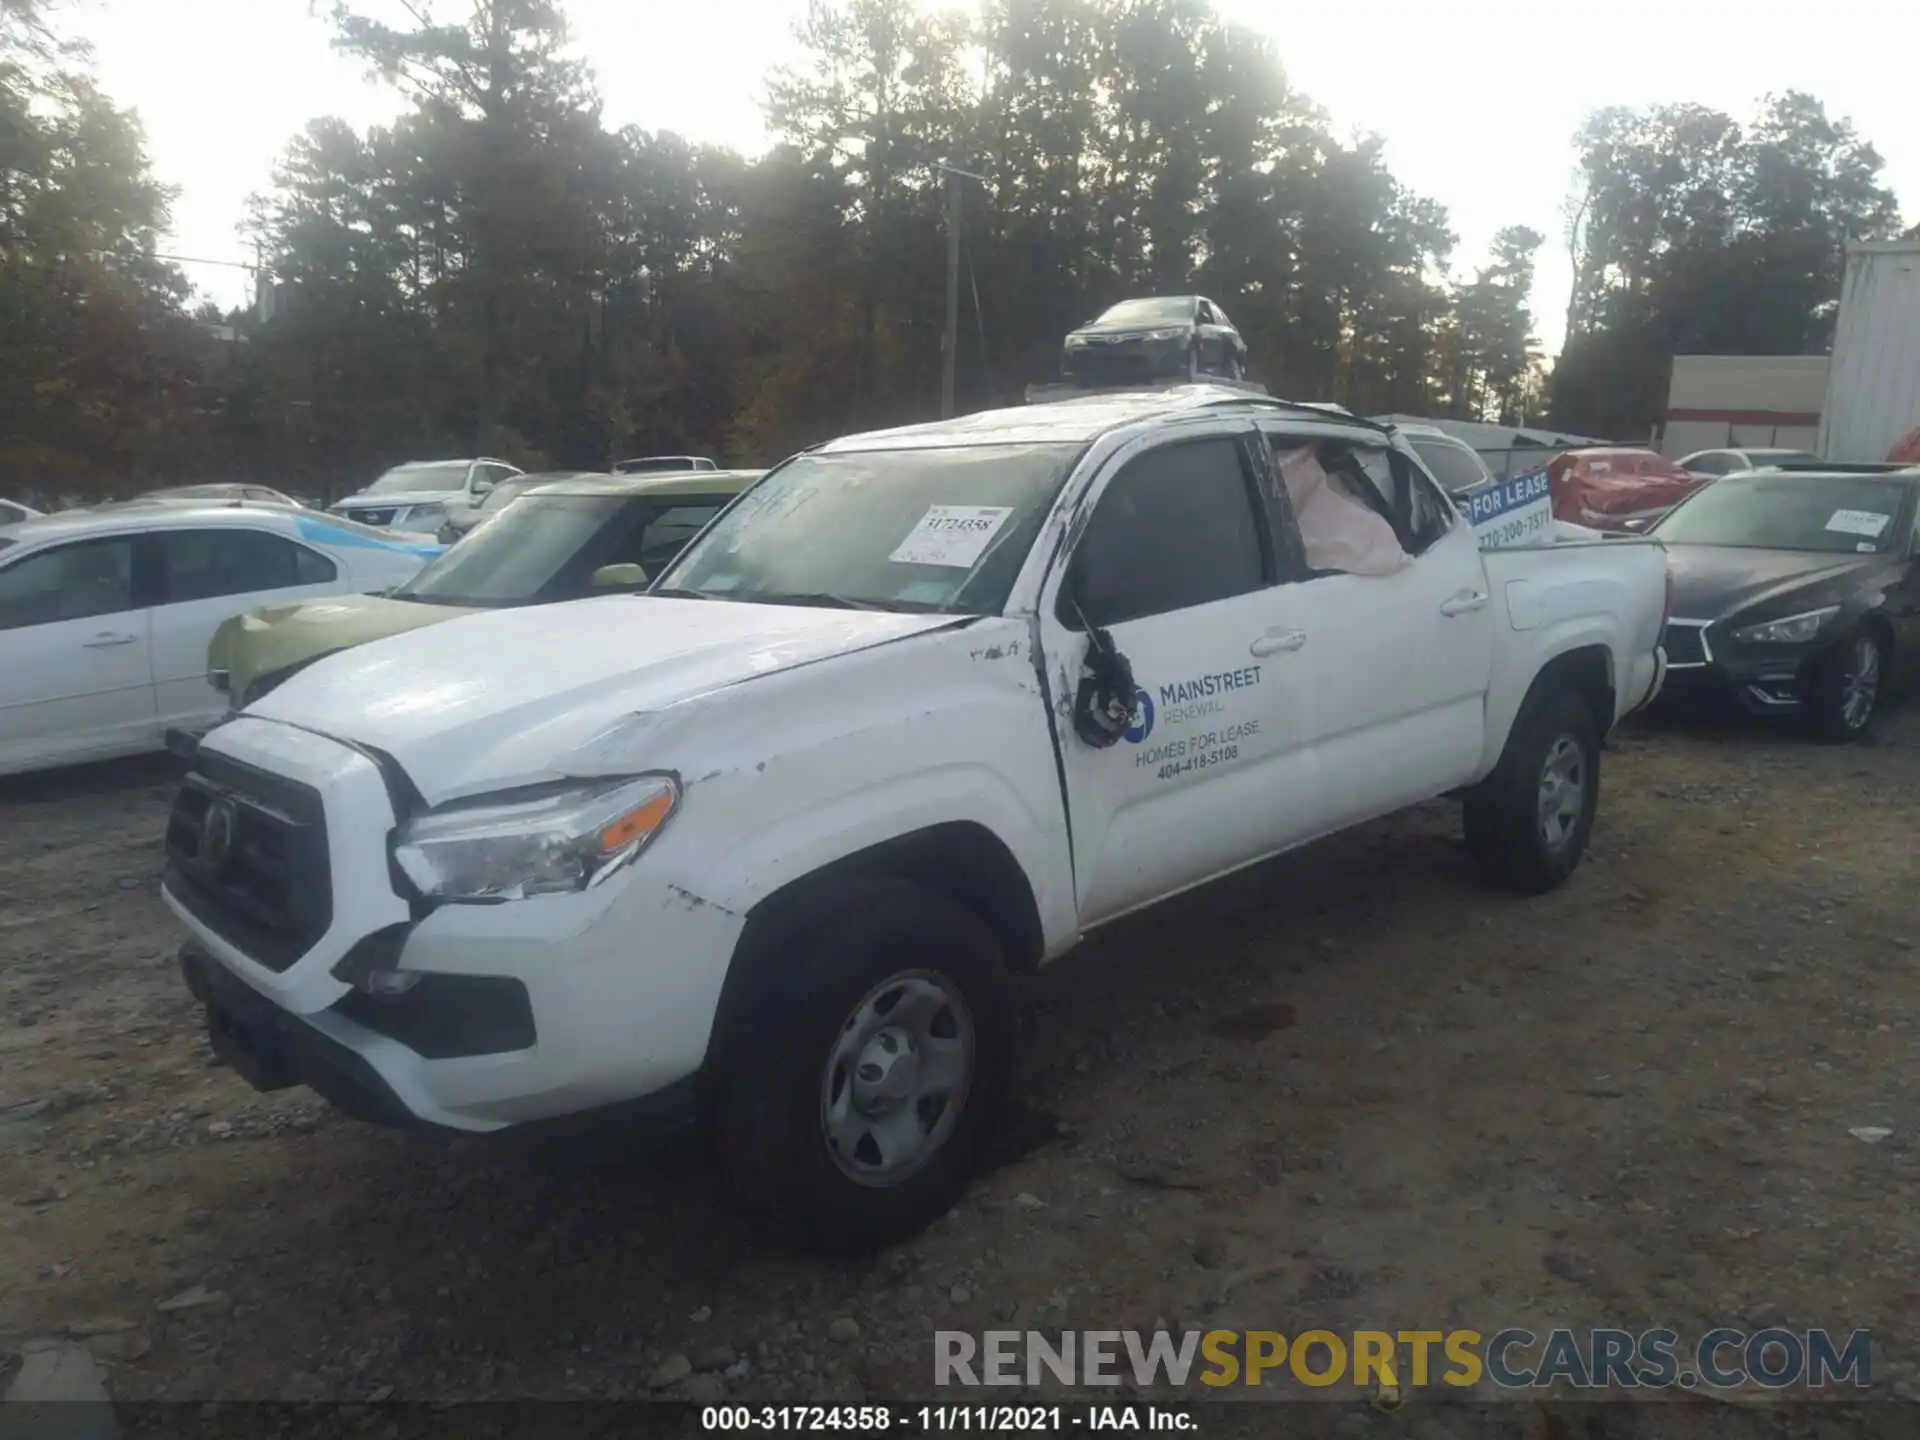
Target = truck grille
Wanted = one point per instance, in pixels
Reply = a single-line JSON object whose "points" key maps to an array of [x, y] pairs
{"points": [[1686, 643], [247, 854]]}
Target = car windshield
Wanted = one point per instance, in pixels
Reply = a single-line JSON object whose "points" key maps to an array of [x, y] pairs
{"points": [[451, 475], [1845, 515], [1454, 468], [924, 530], [536, 544], [1158, 311]]}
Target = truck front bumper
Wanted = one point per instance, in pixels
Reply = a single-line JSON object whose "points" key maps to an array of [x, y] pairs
{"points": [[504, 1015], [272, 1049]]}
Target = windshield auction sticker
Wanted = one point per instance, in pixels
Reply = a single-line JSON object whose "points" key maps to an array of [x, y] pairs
{"points": [[1509, 512], [1858, 522], [951, 535]]}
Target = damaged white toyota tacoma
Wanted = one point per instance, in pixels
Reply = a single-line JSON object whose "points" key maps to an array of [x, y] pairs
{"points": [[762, 848]]}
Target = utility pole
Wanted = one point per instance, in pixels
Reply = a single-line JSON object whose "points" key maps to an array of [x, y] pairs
{"points": [[950, 342]]}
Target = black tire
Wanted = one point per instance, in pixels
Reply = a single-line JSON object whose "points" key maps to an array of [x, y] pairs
{"points": [[1845, 698], [1196, 367], [770, 1112], [1234, 372], [1507, 833]]}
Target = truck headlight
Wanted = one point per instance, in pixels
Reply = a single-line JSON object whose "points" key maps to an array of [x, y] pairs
{"points": [[1789, 630], [544, 840]]}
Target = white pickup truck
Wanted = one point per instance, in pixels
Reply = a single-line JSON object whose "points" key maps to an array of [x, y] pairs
{"points": [[763, 847]]}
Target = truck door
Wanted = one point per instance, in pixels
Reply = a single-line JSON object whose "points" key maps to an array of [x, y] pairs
{"points": [[1177, 565], [1400, 662]]}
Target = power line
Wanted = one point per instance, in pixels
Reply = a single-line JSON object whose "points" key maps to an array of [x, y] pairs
{"points": [[202, 260]]}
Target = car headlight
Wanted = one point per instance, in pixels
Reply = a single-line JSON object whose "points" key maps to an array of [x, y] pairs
{"points": [[1790, 630], [1165, 335], [545, 840], [1075, 341], [417, 513]]}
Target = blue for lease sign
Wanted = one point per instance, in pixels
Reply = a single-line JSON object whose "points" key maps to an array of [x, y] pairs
{"points": [[1509, 512]]}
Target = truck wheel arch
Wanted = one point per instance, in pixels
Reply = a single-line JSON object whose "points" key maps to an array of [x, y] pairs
{"points": [[962, 860], [1588, 672]]}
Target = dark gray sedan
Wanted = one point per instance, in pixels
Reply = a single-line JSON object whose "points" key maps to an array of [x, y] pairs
{"points": [[1161, 337]]}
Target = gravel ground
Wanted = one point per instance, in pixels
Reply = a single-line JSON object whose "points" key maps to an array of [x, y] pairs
{"points": [[1343, 1089]]}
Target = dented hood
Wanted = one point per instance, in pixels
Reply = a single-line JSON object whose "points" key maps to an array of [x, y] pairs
{"points": [[508, 696]]}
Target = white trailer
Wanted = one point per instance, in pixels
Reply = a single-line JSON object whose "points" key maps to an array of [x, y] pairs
{"points": [[1741, 402], [1873, 385]]}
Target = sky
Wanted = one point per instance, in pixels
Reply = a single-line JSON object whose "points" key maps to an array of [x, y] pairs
{"points": [[1477, 99]]}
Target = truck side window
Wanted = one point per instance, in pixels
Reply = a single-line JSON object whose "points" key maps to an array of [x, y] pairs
{"points": [[1178, 527], [1398, 492], [1429, 516]]}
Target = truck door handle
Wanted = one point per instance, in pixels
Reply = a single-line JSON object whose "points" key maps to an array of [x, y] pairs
{"points": [[1274, 641], [1464, 602], [106, 639]]}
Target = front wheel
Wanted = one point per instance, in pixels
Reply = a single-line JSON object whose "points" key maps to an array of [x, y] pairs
{"points": [[853, 1106], [1846, 692], [1527, 823]]}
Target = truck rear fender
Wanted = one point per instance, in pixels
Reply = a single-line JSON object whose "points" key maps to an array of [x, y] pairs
{"points": [[1576, 655]]}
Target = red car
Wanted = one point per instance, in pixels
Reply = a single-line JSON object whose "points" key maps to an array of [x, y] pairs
{"points": [[1604, 487]]}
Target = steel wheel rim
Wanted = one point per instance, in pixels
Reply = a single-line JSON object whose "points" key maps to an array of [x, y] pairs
{"points": [[1860, 686], [897, 1078], [1563, 792]]}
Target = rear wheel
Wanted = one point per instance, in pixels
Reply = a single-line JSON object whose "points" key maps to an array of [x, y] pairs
{"points": [[852, 1107], [1846, 691], [1527, 823]]}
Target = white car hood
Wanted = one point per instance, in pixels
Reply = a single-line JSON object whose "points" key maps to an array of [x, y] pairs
{"points": [[366, 501], [511, 697]]}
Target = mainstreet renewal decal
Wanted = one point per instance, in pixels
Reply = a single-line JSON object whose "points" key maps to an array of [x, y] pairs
{"points": [[1182, 703]]}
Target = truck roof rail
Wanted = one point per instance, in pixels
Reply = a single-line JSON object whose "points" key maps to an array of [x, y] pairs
{"points": [[1250, 392], [1047, 391], [1321, 410]]}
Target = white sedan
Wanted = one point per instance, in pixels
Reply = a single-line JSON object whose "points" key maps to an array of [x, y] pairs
{"points": [[105, 614]]}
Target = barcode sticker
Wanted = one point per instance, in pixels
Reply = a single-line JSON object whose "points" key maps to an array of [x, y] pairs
{"points": [[952, 535], [1858, 522]]}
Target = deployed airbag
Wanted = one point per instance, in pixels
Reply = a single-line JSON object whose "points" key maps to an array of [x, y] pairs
{"points": [[1340, 533]]}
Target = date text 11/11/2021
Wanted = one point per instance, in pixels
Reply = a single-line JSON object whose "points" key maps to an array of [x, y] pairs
{"points": [[948, 1419]]}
